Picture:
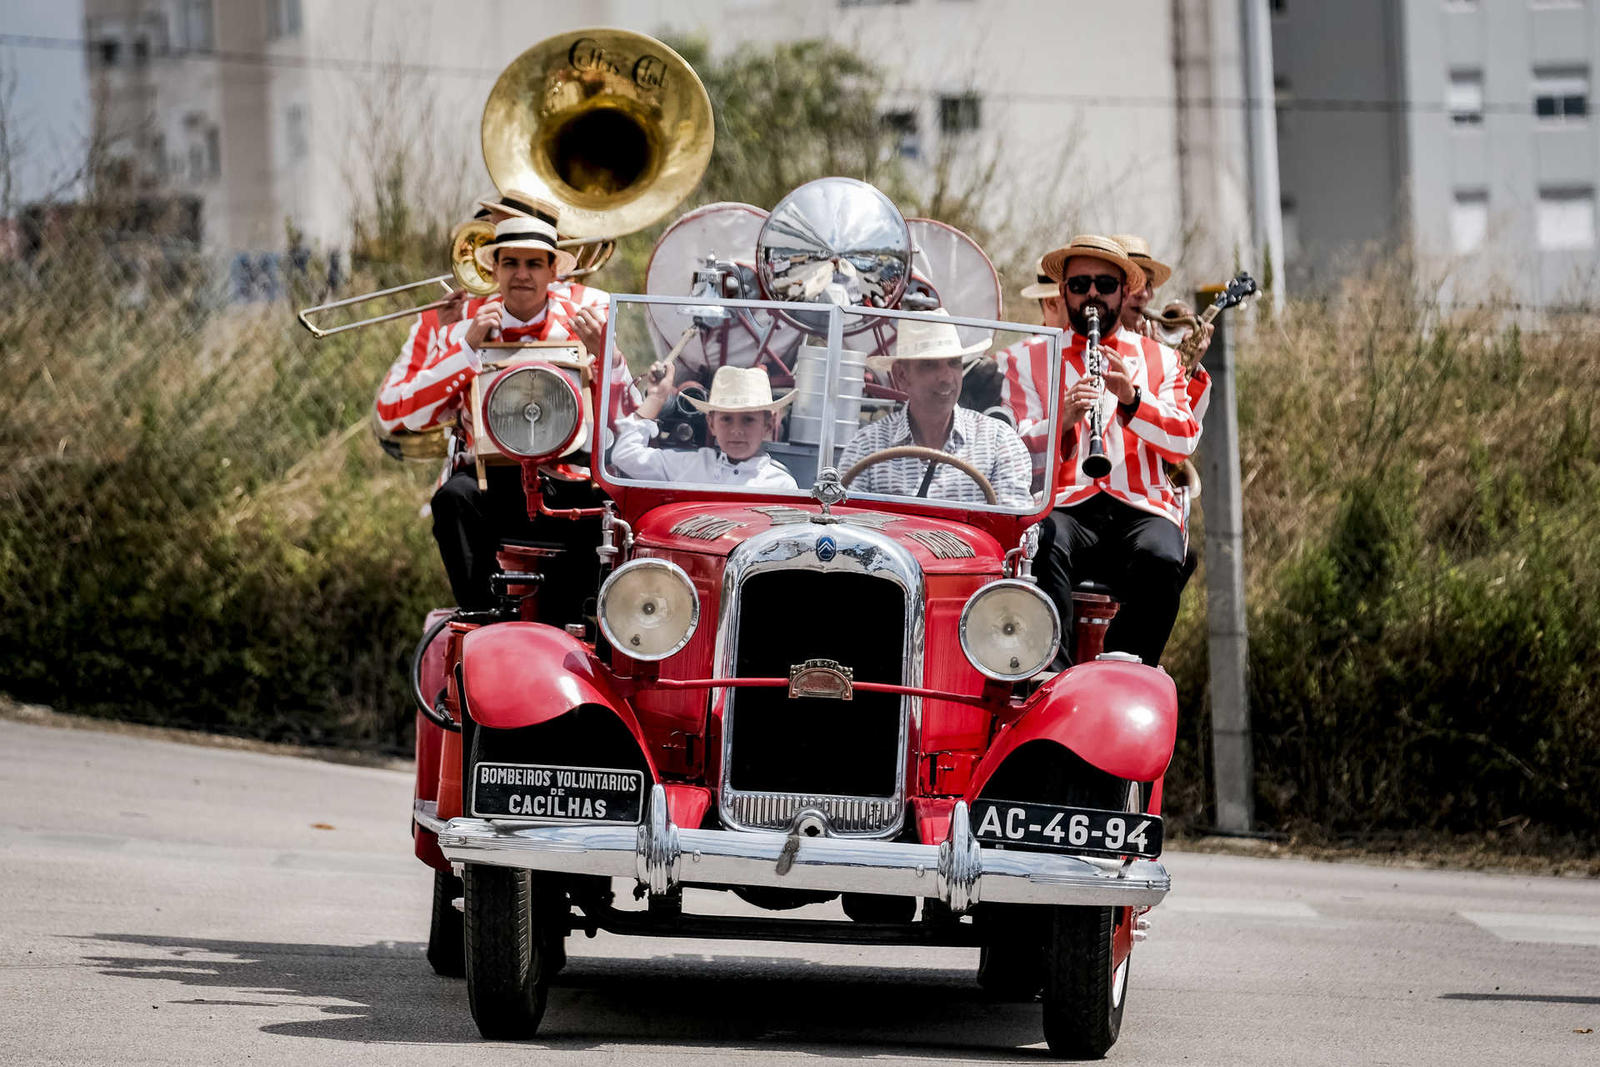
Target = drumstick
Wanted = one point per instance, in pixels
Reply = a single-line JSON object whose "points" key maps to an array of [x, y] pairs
{"points": [[677, 349]]}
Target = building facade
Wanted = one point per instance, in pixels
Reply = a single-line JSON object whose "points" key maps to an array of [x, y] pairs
{"points": [[1456, 129], [277, 112]]}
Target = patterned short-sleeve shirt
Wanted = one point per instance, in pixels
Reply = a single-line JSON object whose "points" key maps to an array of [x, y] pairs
{"points": [[986, 443]]}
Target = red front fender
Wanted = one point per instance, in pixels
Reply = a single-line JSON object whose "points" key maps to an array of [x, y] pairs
{"points": [[1119, 717], [524, 673]]}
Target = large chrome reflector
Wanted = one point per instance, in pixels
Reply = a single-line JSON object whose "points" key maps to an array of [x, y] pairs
{"points": [[532, 412], [834, 241]]}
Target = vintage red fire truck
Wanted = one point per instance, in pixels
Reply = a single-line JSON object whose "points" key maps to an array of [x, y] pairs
{"points": [[793, 696]]}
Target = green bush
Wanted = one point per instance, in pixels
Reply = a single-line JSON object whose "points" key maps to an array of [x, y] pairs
{"points": [[1421, 495]]}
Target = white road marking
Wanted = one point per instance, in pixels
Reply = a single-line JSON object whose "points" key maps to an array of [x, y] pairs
{"points": [[1545, 929], [1259, 909]]}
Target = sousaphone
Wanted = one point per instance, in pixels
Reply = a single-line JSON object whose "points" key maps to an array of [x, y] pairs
{"points": [[614, 126]]}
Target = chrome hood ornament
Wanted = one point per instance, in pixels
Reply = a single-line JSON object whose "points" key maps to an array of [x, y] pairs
{"points": [[828, 491]]}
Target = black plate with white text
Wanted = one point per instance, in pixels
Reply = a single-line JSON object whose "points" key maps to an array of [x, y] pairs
{"points": [[558, 794], [1118, 833]]}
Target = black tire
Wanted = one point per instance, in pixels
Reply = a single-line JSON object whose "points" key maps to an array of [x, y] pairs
{"points": [[446, 948], [1084, 994], [1011, 961], [875, 908], [508, 931]]}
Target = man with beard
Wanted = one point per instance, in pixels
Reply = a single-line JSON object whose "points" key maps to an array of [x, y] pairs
{"points": [[1121, 530]]}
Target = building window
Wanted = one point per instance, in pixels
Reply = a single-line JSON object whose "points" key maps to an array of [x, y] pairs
{"points": [[297, 144], [283, 19], [959, 114], [1465, 97], [904, 129], [1282, 101], [196, 30], [1566, 218], [1289, 219], [1469, 220], [1561, 93]]}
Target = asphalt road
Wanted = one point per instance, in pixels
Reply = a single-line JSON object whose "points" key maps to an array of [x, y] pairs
{"points": [[166, 903]]}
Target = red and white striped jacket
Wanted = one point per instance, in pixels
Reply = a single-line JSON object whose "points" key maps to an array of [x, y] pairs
{"points": [[428, 384], [1163, 427]]}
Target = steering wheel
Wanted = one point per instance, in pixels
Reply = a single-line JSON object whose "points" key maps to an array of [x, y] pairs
{"points": [[933, 455]]}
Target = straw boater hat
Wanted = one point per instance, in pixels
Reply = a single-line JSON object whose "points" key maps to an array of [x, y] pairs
{"points": [[1043, 288], [515, 202], [921, 339], [741, 389], [1139, 251], [521, 231], [1090, 244]]}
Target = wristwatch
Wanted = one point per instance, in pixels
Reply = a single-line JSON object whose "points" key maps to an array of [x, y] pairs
{"points": [[1133, 405]]}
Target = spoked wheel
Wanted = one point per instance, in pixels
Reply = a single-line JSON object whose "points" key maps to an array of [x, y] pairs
{"points": [[514, 924], [1085, 990], [446, 953]]}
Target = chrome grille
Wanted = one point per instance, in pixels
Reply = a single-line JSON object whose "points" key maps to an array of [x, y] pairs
{"points": [[860, 604], [845, 815]]}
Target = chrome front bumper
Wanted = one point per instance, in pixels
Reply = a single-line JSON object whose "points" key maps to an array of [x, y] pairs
{"points": [[661, 856]]}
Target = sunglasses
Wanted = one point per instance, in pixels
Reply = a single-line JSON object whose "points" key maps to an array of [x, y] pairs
{"points": [[1104, 284]]}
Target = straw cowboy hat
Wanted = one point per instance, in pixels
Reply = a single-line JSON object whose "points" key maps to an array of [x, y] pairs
{"points": [[1097, 247], [1043, 288], [1139, 251], [921, 339], [525, 232], [741, 389], [515, 202]]}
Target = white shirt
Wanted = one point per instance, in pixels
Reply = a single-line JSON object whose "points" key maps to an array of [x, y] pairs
{"points": [[632, 456], [988, 444]]}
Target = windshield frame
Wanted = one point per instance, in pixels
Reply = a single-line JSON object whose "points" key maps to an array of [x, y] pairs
{"points": [[836, 315]]}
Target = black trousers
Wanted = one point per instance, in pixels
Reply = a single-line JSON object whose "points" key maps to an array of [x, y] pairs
{"points": [[1139, 556], [470, 525]]}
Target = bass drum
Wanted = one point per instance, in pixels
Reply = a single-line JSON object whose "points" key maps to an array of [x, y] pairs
{"points": [[725, 233], [950, 270]]}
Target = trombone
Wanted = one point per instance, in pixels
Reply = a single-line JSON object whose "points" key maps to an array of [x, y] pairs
{"points": [[465, 271]]}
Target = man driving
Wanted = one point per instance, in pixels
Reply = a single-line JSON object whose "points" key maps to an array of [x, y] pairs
{"points": [[926, 367]]}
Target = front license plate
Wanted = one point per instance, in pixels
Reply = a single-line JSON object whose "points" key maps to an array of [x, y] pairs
{"points": [[1008, 822], [563, 794]]}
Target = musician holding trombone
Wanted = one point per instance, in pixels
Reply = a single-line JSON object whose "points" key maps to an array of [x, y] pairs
{"points": [[1117, 519], [429, 385]]}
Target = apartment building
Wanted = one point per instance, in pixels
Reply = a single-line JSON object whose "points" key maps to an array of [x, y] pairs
{"points": [[275, 112], [1459, 127]]}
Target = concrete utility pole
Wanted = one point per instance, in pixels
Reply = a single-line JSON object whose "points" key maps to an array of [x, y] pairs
{"points": [[1227, 640], [1261, 122]]}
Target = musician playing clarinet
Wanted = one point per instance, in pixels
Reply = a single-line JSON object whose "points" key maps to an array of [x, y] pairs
{"points": [[1120, 528]]}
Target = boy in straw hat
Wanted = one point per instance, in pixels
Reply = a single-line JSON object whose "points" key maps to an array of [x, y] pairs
{"points": [[740, 415], [1122, 529], [926, 366], [430, 383]]}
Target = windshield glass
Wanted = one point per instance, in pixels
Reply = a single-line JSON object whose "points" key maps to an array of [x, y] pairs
{"points": [[738, 395]]}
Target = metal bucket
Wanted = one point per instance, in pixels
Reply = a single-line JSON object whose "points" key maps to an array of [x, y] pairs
{"points": [[811, 406]]}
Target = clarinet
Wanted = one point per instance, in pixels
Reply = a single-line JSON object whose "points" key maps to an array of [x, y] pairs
{"points": [[1096, 464]]}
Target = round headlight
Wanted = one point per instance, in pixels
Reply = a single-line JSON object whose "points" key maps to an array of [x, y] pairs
{"points": [[648, 609], [532, 412], [1010, 630]]}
